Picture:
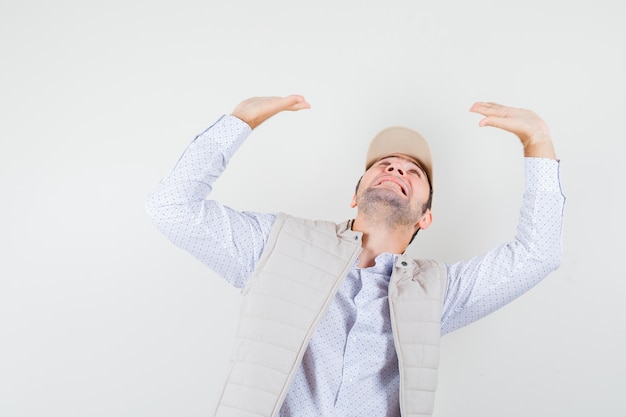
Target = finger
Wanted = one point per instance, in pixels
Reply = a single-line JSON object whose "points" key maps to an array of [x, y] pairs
{"points": [[491, 109], [510, 124], [257, 110], [522, 123], [500, 116], [296, 102]]}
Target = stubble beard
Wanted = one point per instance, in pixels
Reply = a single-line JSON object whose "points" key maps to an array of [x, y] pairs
{"points": [[387, 208]]}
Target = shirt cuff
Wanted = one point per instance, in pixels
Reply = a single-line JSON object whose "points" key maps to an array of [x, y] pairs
{"points": [[542, 174], [225, 135], [236, 121]]}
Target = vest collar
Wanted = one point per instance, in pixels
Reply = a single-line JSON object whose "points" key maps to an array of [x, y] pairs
{"points": [[344, 230]]}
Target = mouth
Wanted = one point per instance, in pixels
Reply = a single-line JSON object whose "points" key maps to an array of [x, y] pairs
{"points": [[394, 185]]}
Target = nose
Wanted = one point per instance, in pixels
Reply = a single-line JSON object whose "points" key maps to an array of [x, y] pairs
{"points": [[392, 168]]}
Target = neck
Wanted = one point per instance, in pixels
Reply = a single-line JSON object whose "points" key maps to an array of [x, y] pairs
{"points": [[380, 238]]}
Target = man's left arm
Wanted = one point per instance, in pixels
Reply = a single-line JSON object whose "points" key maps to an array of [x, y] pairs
{"points": [[485, 283]]}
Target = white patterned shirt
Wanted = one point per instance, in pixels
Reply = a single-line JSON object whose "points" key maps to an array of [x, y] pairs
{"points": [[350, 367]]}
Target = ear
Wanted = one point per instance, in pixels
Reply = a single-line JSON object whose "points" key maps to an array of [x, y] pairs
{"points": [[426, 220], [353, 203]]}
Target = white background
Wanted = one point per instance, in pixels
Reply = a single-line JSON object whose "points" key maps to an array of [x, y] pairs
{"points": [[101, 316]]}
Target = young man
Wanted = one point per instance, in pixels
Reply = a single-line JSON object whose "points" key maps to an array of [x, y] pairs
{"points": [[336, 318]]}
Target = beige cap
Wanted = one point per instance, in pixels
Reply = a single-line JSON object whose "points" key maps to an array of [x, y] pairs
{"points": [[404, 141]]}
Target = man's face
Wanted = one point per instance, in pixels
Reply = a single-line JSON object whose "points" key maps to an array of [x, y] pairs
{"points": [[394, 189]]}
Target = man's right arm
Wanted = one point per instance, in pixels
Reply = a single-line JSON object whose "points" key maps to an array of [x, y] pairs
{"points": [[227, 241]]}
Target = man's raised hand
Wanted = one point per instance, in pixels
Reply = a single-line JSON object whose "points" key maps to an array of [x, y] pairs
{"points": [[256, 110], [532, 131]]}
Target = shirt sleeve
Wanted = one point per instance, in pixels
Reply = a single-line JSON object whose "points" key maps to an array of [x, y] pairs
{"points": [[483, 284], [227, 241]]}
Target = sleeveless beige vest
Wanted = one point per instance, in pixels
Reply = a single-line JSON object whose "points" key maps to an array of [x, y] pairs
{"points": [[299, 272]]}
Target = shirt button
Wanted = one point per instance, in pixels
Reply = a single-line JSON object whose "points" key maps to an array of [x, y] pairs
{"points": [[356, 238], [404, 263]]}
